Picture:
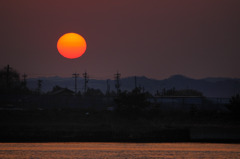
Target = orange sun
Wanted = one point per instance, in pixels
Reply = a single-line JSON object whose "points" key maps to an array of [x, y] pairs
{"points": [[71, 45]]}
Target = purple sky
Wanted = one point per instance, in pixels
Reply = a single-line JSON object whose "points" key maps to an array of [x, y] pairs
{"points": [[154, 38]]}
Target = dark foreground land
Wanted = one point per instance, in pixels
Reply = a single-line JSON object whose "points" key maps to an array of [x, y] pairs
{"points": [[80, 125]]}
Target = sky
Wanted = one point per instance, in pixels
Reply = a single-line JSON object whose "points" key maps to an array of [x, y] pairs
{"points": [[152, 38]]}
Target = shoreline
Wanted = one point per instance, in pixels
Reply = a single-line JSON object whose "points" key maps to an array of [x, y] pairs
{"points": [[163, 136], [101, 126]]}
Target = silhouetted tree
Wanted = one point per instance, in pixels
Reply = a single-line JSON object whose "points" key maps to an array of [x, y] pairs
{"points": [[59, 91], [56, 88], [132, 104], [9, 79], [94, 92], [234, 104], [112, 94], [39, 86], [183, 92]]}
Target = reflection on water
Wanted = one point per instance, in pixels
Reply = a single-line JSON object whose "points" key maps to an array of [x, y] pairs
{"points": [[118, 150]]}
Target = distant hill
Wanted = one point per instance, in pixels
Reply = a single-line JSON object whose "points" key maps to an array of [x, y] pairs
{"points": [[210, 87]]}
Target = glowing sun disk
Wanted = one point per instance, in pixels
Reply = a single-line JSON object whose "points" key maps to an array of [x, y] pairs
{"points": [[71, 45]]}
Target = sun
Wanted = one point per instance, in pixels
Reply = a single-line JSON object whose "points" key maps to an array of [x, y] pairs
{"points": [[71, 45]]}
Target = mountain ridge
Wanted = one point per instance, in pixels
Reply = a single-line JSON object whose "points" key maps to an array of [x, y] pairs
{"points": [[210, 87]]}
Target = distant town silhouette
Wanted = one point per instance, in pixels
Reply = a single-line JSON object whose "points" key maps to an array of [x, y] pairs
{"points": [[63, 114]]}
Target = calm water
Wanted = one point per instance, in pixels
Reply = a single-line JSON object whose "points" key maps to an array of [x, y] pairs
{"points": [[118, 150]]}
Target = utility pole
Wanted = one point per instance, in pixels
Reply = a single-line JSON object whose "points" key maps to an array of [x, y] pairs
{"points": [[108, 88], [24, 80], [117, 79], [8, 75], [39, 86], [135, 81], [86, 79], [75, 76]]}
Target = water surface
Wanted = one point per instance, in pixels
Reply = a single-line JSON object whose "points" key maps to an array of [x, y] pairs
{"points": [[118, 150]]}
